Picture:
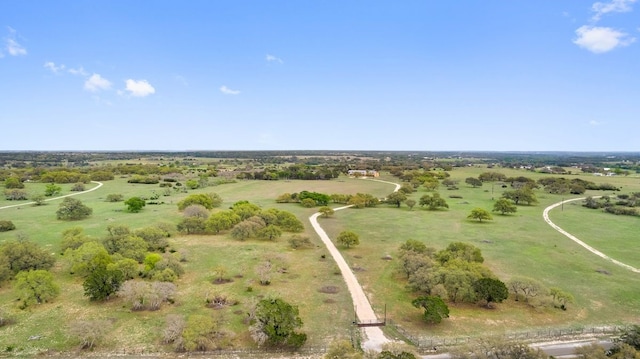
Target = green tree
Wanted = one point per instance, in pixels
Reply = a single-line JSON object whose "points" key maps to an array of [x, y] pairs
{"points": [[433, 202], [73, 238], [192, 184], [434, 307], [102, 283], [326, 211], [460, 250], [504, 206], [396, 198], [72, 209], [410, 203], [270, 232], [209, 201], [492, 176], [524, 194], [308, 203], [491, 290], [128, 246], [245, 209], [87, 258], [52, 189], [221, 221], [192, 225], [13, 183], [287, 221], [431, 183], [135, 204], [24, 255], [275, 324], [36, 287], [480, 214], [560, 297], [348, 239], [474, 182], [200, 333]]}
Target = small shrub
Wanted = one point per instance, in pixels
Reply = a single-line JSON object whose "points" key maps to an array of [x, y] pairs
{"points": [[78, 187], [115, 197], [7, 226], [329, 289], [455, 196], [298, 241]]}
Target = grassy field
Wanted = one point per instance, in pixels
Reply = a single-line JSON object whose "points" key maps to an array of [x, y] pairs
{"points": [[520, 244], [302, 273]]}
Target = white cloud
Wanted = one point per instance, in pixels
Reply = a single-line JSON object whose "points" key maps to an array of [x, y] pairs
{"points": [[594, 123], [601, 39], [227, 91], [602, 8], [96, 83], [52, 66], [12, 46], [271, 58], [140, 88], [79, 71]]}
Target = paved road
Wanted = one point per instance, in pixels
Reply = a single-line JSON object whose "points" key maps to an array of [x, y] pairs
{"points": [[545, 215], [55, 198]]}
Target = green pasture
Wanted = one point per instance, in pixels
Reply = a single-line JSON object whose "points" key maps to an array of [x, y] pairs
{"points": [[520, 244], [299, 276]]}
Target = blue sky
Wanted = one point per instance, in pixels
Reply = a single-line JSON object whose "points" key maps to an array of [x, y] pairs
{"points": [[541, 75]]}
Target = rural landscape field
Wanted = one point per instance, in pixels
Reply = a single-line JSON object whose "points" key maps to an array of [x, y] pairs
{"points": [[320, 179], [222, 274]]}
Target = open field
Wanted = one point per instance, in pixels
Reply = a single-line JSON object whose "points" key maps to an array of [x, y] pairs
{"points": [[520, 244]]}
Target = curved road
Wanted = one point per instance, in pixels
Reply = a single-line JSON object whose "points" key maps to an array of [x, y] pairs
{"points": [[374, 336], [545, 215], [53, 199]]}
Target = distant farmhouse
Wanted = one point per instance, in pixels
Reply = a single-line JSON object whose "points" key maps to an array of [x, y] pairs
{"points": [[363, 173]]}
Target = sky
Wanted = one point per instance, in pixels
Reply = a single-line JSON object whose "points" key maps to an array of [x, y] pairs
{"points": [[170, 75]]}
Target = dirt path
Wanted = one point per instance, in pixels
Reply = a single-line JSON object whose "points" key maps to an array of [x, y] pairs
{"points": [[374, 336], [545, 215], [55, 198]]}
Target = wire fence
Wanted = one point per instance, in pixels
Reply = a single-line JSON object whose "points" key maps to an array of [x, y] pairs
{"points": [[429, 343]]}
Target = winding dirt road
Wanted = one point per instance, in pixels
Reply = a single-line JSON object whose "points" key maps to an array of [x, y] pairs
{"points": [[545, 215], [53, 199], [374, 336]]}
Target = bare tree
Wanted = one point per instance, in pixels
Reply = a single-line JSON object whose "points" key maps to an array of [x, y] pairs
{"points": [[90, 332]]}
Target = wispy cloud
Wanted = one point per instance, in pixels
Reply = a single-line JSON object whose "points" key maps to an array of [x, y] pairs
{"points": [[601, 39], [11, 45], [227, 91], [594, 123], [271, 58], [603, 8], [181, 79], [80, 71], [96, 83], [139, 88], [53, 67]]}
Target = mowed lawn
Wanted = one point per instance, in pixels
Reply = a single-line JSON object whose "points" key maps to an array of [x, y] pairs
{"points": [[520, 244]]}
